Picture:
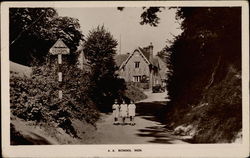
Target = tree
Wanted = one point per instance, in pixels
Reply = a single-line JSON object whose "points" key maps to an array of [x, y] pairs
{"points": [[149, 16], [100, 48], [205, 61], [165, 55], [202, 46], [68, 29], [211, 36], [34, 30]]}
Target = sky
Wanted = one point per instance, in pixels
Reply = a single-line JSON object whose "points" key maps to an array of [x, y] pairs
{"points": [[125, 26]]}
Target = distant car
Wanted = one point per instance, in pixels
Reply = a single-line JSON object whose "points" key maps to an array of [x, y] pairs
{"points": [[157, 88]]}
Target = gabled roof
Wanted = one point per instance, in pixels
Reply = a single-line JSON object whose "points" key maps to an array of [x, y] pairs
{"points": [[122, 59], [140, 52], [145, 52]]}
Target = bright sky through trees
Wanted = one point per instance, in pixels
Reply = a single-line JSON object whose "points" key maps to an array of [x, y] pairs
{"points": [[126, 24]]}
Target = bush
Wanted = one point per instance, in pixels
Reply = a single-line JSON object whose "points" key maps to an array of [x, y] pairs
{"points": [[140, 85], [134, 93], [36, 98], [225, 107], [218, 116]]}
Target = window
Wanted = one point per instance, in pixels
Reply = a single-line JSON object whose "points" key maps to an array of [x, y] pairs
{"points": [[137, 64], [137, 78]]}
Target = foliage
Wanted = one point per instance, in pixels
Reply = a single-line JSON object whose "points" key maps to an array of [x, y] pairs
{"points": [[132, 92], [36, 98], [141, 85], [218, 117], [34, 30], [100, 50], [202, 53], [120, 8], [149, 16], [165, 55], [201, 60]]}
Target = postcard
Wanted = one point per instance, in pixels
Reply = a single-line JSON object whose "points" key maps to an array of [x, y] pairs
{"points": [[125, 79]]}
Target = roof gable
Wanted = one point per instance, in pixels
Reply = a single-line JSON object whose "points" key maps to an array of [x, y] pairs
{"points": [[129, 57], [145, 52]]}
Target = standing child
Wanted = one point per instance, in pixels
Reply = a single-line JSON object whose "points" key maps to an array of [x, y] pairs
{"points": [[123, 111], [131, 112], [115, 108]]}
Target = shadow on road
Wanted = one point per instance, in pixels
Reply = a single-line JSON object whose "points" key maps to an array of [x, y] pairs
{"points": [[154, 111], [158, 133]]}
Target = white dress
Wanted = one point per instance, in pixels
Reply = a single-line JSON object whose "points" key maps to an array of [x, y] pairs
{"points": [[124, 110], [115, 110], [131, 109]]}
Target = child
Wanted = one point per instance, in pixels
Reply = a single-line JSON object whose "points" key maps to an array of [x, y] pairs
{"points": [[115, 108], [131, 112], [123, 111]]}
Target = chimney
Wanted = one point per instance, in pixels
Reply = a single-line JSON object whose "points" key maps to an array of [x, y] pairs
{"points": [[151, 51]]}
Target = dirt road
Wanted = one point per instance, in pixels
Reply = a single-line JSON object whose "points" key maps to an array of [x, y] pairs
{"points": [[146, 130]]}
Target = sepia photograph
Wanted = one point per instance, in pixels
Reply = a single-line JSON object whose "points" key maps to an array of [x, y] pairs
{"points": [[119, 74]]}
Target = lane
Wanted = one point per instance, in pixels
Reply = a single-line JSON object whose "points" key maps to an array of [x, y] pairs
{"points": [[148, 128], [145, 131]]}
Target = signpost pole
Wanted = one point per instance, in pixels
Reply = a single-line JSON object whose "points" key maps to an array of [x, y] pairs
{"points": [[60, 74], [59, 48], [59, 58]]}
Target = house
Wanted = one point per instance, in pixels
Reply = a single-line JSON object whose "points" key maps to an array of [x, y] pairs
{"points": [[141, 66], [82, 60]]}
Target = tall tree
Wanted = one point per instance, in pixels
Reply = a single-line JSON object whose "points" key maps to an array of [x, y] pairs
{"points": [[34, 30], [100, 48], [206, 60], [211, 37]]}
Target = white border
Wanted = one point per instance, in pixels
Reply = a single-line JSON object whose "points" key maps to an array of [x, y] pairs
{"points": [[149, 150]]}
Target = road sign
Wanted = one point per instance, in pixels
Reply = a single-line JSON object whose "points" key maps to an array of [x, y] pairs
{"points": [[59, 48]]}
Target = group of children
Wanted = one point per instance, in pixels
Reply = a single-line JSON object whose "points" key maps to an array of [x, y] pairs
{"points": [[124, 111]]}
